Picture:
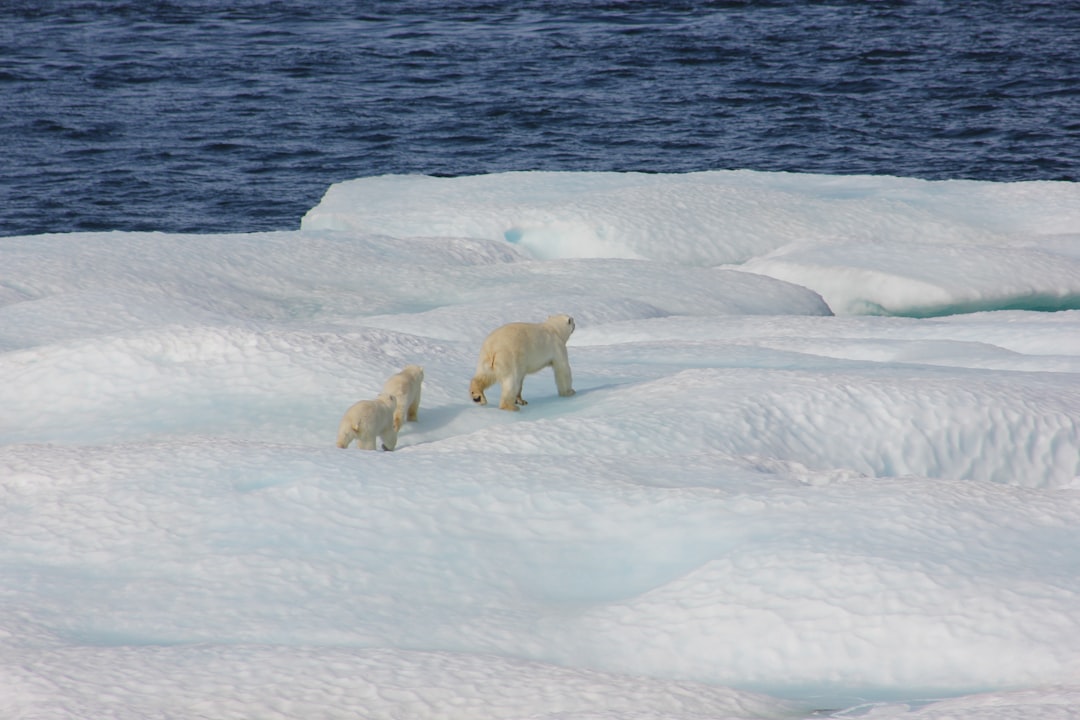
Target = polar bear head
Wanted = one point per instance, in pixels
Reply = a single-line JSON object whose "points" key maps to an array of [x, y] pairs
{"points": [[562, 324]]}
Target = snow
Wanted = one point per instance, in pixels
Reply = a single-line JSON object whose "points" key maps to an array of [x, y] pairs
{"points": [[823, 458]]}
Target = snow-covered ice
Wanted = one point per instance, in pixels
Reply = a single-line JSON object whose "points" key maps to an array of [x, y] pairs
{"points": [[823, 459]]}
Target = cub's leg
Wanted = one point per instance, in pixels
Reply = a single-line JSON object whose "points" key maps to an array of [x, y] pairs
{"points": [[345, 434], [365, 439], [389, 439]]}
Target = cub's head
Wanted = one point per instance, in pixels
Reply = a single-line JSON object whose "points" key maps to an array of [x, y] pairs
{"points": [[563, 324], [416, 371], [388, 400]]}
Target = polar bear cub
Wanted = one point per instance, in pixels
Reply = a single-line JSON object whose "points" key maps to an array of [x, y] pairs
{"points": [[366, 420], [518, 349], [405, 388]]}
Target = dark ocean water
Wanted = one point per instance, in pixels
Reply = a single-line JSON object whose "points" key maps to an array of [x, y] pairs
{"points": [[206, 116]]}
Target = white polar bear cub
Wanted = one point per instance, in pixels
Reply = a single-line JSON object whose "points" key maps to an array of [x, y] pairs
{"points": [[518, 349], [366, 420], [405, 388]]}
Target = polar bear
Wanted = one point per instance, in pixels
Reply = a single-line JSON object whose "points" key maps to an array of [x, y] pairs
{"points": [[518, 349], [367, 420], [405, 388]]}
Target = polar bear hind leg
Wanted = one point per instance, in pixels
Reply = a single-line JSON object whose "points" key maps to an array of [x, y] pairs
{"points": [[346, 434], [481, 382], [511, 391]]}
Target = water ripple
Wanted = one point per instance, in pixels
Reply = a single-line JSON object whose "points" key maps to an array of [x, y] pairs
{"points": [[216, 116]]}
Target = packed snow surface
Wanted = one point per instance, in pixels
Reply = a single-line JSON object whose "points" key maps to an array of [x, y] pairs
{"points": [[823, 458]]}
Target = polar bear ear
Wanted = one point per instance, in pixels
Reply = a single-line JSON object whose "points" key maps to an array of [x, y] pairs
{"points": [[570, 322]]}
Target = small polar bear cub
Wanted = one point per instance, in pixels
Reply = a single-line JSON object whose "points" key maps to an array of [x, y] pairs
{"points": [[518, 349], [366, 420], [405, 388]]}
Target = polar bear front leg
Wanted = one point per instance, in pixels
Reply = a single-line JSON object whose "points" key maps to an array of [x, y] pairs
{"points": [[389, 439], [414, 408], [563, 379]]}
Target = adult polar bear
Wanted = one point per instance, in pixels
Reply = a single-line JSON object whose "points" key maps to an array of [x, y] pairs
{"points": [[518, 349]]}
